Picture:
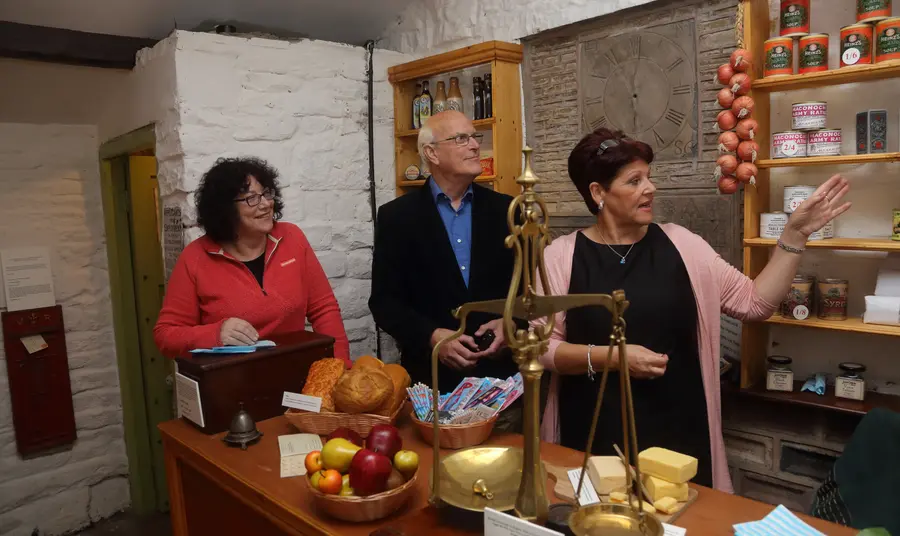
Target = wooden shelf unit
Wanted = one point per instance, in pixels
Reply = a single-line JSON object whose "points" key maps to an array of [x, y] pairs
{"points": [[502, 61], [755, 335]]}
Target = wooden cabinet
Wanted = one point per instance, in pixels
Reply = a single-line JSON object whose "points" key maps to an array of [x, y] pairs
{"points": [[756, 250], [503, 131]]}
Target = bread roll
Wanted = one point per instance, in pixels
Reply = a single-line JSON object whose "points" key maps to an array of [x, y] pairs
{"points": [[364, 361], [362, 390], [401, 381], [323, 376]]}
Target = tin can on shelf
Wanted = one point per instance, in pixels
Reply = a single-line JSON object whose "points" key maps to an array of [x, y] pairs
{"points": [[832, 299], [798, 302], [826, 232], [412, 172], [887, 40], [872, 10], [794, 195], [895, 225], [825, 142], [771, 224], [790, 144], [871, 132], [779, 57], [850, 384], [813, 52], [856, 44], [779, 376], [794, 18], [809, 115]]}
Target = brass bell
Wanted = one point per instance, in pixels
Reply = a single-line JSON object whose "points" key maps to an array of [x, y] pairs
{"points": [[243, 430]]}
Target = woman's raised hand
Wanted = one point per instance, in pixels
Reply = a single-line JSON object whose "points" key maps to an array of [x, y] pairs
{"points": [[822, 206]]}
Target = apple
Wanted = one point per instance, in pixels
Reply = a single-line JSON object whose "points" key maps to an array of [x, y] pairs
{"points": [[313, 461], [384, 439], [330, 483], [314, 479], [347, 434], [369, 472], [395, 480], [337, 454], [346, 490], [407, 462]]}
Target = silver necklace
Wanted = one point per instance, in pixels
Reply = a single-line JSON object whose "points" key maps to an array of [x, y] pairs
{"points": [[613, 250]]}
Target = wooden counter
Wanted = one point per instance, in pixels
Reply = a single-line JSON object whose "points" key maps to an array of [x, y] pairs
{"points": [[216, 489]]}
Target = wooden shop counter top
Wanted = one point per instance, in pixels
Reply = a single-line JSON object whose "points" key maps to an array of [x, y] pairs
{"points": [[215, 489]]}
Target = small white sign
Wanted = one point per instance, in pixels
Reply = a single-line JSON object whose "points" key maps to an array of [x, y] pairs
{"points": [[34, 343], [588, 493], [672, 530], [789, 148], [27, 278], [294, 449], [851, 56], [500, 524], [188, 395], [304, 402]]}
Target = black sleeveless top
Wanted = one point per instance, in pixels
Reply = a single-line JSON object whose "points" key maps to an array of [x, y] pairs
{"points": [[257, 266], [670, 411]]}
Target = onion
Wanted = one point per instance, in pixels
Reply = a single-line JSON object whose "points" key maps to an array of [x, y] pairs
{"points": [[748, 150], [725, 98], [725, 165], [742, 107], [746, 172], [728, 142], [746, 128], [740, 60], [740, 83], [728, 185], [724, 74], [726, 120]]}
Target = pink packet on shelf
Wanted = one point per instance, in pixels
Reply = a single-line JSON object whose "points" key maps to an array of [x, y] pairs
{"points": [[515, 391]]}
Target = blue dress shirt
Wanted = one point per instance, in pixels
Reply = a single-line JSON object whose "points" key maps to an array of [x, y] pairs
{"points": [[458, 223]]}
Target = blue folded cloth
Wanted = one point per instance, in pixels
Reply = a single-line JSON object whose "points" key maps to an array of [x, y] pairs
{"points": [[815, 384], [234, 349], [779, 522]]}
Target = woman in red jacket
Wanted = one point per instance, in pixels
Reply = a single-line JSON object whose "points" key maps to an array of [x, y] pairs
{"points": [[250, 276]]}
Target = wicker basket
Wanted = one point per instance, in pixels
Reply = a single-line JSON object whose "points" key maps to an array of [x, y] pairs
{"points": [[325, 423], [362, 509], [456, 436]]}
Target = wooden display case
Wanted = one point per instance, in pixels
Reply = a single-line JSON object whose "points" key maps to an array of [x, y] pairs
{"points": [[755, 336], [503, 131]]}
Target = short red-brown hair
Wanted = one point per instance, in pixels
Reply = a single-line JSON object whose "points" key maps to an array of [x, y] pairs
{"points": [[593, 161]]}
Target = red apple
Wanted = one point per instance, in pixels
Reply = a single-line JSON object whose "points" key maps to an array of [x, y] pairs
{"points": [[313, 461], [369, 472], [347, 434], [384, 439]]}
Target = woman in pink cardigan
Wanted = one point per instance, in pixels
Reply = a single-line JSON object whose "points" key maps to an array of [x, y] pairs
{"points": [[677, 286]]}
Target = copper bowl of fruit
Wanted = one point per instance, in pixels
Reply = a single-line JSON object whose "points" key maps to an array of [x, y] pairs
{"points": [[358, 481]]}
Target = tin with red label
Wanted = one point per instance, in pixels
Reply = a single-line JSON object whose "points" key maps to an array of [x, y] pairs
{"points": [[824, 143], [809, 115], [779, 57], [872, 10], [799, 301], [813, 52], [856, 44], [832, 302], [794, 18], [887, 40], [791, 144]]}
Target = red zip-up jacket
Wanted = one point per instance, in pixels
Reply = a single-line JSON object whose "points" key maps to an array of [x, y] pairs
{"points": [[209, 286]]}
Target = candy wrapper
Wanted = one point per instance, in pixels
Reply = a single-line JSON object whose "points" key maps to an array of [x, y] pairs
{"points": [[461, 395], [476, 414]]}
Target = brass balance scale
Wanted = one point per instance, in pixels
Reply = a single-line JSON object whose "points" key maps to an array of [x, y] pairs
{"points": [[513, 479]]}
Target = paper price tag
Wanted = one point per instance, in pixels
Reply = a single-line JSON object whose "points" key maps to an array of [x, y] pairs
{"points": [[801, 312], [500, 524], [851, 56], [304, 402], [789, 148], [672, 530], [795, 203], [34, 343], [588, 493]]}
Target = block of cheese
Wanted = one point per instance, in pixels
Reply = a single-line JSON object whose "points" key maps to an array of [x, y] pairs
{"points": [[649, 508], [660, 488], [667, 505], [618, 497], [668, 465], [607, 473]]}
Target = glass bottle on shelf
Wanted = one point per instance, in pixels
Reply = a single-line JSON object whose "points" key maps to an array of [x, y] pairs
{"points": [[454, 98], [415, 106], [478, 98], [425, 102], [440, 99], [488, 100]]}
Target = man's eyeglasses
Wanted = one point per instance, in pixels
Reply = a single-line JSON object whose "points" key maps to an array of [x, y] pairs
{"points": [[463, 139], [253, 199]]}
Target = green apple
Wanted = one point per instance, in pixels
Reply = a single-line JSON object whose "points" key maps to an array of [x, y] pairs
{"points": [[407, 462], [314, 479], [337, 453]]}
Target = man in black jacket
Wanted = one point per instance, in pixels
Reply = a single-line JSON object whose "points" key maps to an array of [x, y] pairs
{"points": [[437, 248]]}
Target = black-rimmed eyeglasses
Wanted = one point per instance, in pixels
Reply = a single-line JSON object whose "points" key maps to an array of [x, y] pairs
{"points": [[253, 199], [463, 139]]}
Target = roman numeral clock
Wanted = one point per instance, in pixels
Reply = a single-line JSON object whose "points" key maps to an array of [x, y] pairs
{"points": [[644, 83]]}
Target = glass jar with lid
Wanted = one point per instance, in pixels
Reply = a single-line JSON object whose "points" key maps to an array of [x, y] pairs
{"points": [[850, 384], [779, 376]]}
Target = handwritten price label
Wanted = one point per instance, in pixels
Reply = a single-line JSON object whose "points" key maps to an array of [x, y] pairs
{"points": [[851, 56], [789, 148], [795, 204], [801, 312]]}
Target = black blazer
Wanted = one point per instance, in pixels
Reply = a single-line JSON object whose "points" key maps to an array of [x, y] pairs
{"points": [[416, 282]]}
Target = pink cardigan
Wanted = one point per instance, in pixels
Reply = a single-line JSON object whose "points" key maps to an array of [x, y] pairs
{"points": [[718, 287]]}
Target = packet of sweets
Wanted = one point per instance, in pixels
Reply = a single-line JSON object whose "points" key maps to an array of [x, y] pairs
{"points": [[461, 395]]}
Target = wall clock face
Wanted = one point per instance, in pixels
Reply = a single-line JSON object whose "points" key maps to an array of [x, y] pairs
{"points": [[645, 84]]}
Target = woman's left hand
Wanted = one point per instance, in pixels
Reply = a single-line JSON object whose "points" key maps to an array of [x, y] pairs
{"points": [[822, 206]]}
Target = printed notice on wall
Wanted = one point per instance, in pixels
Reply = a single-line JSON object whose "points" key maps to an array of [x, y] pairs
{"points": [[27, 278], [173, 237], [730, 338]]}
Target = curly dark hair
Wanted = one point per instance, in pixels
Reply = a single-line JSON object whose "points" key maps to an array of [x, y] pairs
{"points": [[586, 166], [226, 181]]}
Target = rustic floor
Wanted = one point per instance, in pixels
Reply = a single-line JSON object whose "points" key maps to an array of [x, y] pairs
{"points": [[129, 524]]}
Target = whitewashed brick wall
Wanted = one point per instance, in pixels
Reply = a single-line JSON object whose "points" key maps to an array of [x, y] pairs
{"points": [[50, 180]]}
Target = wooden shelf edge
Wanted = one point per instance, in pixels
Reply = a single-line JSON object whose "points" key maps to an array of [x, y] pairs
{"points": [[832, 77], [852, 325], [480, 124], [851, 244], [403, 183], [457, 59], [827, 402], [829, 160]]}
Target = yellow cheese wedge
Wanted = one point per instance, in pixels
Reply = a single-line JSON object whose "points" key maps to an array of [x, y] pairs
{"points": [[660, 488], [607, 473], [618, 497], [668, 465], [667, 505], [649, 508]]}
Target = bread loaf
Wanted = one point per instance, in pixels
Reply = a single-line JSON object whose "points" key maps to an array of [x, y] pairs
{"points": [[362, 390], [364, 361], [322, 377], [400, 379]]}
